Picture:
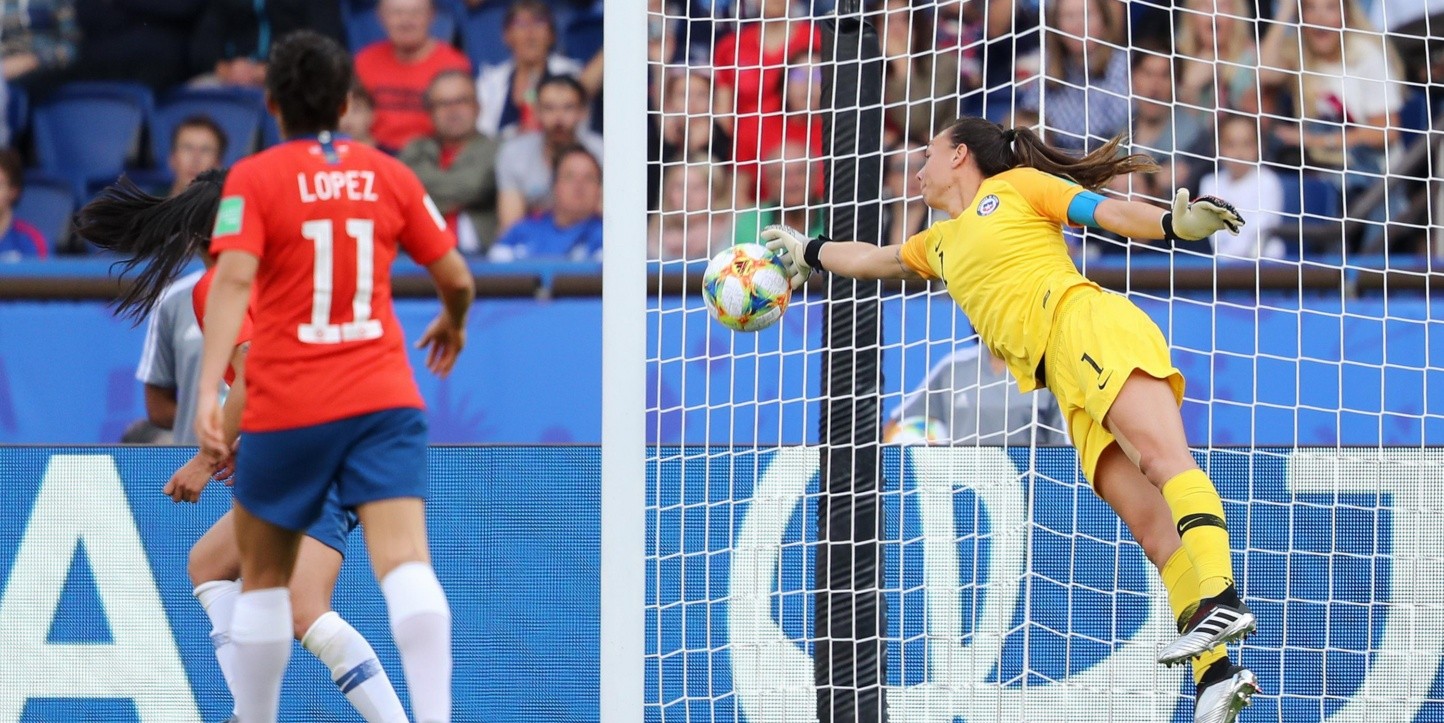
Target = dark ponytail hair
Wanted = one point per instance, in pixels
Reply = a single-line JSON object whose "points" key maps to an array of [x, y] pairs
{"points": [[156, 233], [996, 150]]}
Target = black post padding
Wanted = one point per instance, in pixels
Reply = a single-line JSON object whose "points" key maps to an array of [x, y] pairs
{"points": [[850, 615]]}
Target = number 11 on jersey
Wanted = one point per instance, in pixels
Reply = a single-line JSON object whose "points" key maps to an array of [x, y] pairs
{"points": [[361, 327]]}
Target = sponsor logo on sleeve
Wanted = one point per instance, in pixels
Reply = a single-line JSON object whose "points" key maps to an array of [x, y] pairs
{"points": [[228, 216]]}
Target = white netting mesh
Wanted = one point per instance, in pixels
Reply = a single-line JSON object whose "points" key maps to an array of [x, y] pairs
{"points": [[1309, 344]]}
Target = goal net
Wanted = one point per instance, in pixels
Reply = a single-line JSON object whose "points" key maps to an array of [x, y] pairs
{"points": [[854, 515]]}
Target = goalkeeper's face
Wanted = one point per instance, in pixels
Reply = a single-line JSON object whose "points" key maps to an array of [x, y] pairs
{"points": [[939, 169]]}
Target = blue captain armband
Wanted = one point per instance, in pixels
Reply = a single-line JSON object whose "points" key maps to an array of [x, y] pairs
{"points": [[1082, 208]]}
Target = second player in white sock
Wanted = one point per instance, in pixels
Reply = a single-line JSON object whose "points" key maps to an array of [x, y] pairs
{"points": [[355, 668]]}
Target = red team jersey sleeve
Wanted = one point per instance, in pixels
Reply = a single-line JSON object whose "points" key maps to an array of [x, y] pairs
{"points": [[424, 235], [198, 304], [239, 226]]}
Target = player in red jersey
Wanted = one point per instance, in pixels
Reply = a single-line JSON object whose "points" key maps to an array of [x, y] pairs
{"points": [[311, 227], [164, 234]]}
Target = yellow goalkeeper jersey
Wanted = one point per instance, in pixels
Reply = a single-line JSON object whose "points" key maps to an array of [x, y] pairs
{"points": [[1005, 262]]}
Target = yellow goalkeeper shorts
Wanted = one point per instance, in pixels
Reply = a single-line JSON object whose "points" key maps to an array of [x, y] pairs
{"points": [[1098, 340]]}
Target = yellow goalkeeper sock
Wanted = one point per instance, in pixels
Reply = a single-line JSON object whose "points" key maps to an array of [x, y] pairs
{"points": [[1198, 512], [1183, 597]]}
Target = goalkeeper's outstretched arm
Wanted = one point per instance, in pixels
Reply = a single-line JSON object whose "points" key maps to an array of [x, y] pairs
{"points": [[866, 261], [1186, 221], [854, 259]]}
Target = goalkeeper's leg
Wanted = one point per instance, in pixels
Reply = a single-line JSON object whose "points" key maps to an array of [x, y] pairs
{"points": [[1222, 688], [1146, 423]]}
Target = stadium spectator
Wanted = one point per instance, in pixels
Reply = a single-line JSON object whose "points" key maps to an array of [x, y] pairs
{"points": [[969, 397], [907, 214], [396, 71], [682, 31], [1218, 55], [510, 91], [1341, 76], [1161, 129], [750, 70], [145, 41], [233, 37], [1085, 78], [457, 164], [572, 229], [196, 145], [791, 175], [1254, 189], [37, 34], [921, 82], [689, 123], [662, 22], [996, 44], [694, 221], [18, 238], [802, 102], [360, 113], [686, 125], [1416, 27], [524, 163]]}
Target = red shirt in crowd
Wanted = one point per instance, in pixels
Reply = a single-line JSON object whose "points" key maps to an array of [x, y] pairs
{"points": [[398, 88], [755, 77]]}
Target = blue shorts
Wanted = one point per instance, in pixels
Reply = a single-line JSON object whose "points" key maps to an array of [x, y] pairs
{"points": [[334, 525], [285, 477]]}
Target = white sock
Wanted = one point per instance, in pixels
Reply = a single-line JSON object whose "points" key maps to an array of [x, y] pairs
{"points": [[218, 599], [355, 669], [421, 626], [261, 633]]}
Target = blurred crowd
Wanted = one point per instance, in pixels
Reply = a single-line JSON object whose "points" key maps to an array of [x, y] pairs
{"points": [[1312, 116], [476, 96]]}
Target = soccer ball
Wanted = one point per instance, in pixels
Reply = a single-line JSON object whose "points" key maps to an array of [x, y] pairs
{"points": [[746, 288], [915, 430]]}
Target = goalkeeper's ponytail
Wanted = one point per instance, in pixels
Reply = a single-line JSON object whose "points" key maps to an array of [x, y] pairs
{"points": [[153, 232], [996, 150]]}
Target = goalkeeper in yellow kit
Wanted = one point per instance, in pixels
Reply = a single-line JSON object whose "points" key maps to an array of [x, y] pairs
{"points": [[1001, 253]]}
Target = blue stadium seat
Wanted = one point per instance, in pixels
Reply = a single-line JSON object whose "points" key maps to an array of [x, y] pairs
{"points": [[87, 133], [1293, 192], [17, 111], [363, 27], [270, 131], [47, 202], [137, 93], [583, 36], [1320, 199], [237, 110], [481, 35], [1414, 116]]}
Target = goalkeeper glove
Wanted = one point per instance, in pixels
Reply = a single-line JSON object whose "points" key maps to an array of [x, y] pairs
{"points": [[797, 253], [1199, 219]]}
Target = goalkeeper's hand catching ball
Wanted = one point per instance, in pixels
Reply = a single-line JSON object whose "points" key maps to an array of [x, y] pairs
{"points": [[1200, 218], [790, 247]]}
